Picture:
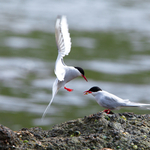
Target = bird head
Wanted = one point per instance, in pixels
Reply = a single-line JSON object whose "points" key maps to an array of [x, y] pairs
{"points": [[92, 90], [81, 72]]}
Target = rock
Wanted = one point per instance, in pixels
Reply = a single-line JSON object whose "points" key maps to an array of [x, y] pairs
{"points": [[6, 138], [96, 131]]}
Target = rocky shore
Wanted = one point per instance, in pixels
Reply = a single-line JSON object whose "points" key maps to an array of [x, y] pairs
{"points": [[123, 131]]}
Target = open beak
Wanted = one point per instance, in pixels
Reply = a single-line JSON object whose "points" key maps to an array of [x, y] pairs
{"points": [[84, 78], [87, 92]]}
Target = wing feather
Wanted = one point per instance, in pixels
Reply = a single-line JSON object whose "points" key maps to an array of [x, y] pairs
{"points": [[62, 36], [63, 42]]}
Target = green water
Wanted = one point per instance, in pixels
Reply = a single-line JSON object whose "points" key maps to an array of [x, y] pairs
{"points": [[117, 47]]}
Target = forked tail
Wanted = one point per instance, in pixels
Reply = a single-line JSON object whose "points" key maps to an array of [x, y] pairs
{"points": [[147, 106], [54, 92], [132, 104]]}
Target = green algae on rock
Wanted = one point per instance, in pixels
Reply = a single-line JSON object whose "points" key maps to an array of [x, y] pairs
{"points": [[96, 131]]}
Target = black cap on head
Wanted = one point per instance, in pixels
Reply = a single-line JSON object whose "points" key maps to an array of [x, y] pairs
{"points": [[80, 70], [95, 89]]}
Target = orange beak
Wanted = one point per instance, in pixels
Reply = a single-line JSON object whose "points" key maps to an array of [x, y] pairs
{"points": [[84, 78], [87, 92]]}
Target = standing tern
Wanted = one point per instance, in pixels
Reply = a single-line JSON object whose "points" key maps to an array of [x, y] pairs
{"points": [[63, 72], [110, 101]]}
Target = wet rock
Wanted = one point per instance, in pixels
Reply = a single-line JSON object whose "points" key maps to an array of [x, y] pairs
{"points": [[96, 131]]}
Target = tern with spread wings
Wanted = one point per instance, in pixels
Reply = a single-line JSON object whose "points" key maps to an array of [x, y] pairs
{"points": [[63, 72]]}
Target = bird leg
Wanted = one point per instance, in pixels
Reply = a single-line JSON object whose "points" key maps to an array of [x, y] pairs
{"points": [[107, 111], [70, 90]]}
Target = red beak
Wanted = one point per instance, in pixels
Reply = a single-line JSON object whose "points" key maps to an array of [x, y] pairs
{"points": [[84, 78], [87, 92]]}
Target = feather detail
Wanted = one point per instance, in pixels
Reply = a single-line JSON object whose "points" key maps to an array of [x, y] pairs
{"points": [[54, 92], [63, 42], [132, 104], [62, 36]]}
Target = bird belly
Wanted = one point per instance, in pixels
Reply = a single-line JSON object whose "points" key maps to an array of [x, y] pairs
{"points": [[108, 106]]}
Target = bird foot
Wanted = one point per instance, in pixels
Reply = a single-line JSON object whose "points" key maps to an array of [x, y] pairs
{"points": [[70, 90], [107, 111]]}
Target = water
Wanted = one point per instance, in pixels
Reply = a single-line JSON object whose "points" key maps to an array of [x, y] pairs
{"points": [[110, 40]]}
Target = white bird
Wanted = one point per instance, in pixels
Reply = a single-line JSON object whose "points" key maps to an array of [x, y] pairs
{"points": [[63, 72], [110, 101]]}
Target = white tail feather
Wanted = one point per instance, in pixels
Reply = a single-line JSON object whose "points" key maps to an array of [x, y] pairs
{"points": [[54, 92], [132, 104]]}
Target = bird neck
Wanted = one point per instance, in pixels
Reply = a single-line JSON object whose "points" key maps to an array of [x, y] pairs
{"points": [[97, 95]]}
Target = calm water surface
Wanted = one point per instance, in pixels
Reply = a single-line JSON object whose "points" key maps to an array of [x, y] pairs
{"points": [[110, 40]]}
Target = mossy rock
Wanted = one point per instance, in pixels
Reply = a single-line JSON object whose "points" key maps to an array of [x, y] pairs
{"points": [[97, 131]]}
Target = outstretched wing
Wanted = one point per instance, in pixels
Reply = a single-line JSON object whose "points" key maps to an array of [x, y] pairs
{"points": [[63, 42], [62, 36]]}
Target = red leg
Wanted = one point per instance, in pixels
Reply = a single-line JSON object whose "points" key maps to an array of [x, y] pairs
{"points": [[70, 90], [107, 111]]}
